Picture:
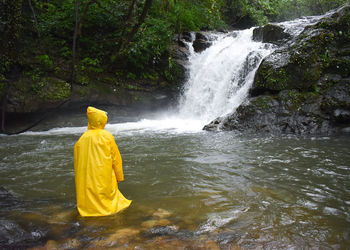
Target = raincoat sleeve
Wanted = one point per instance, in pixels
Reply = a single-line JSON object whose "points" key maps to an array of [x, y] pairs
{"points": [[117, 161]]}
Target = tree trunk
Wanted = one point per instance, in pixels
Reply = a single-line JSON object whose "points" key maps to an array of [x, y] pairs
{"points": [[34, 17], [86, 8], [74, 47], [136, 27], [127, 21]]}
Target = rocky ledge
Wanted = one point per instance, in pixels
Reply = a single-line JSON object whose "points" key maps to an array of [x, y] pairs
{"points": [[303, 87]]}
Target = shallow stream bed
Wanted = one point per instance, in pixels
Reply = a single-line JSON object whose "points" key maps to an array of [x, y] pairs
{"points": [[191, 189]]}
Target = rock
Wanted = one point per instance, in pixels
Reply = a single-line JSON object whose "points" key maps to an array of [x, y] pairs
{"points": [[30, 96], [12, 235], [302, 87], [270, 33], [187, 36], [289, 112], [342, 115], [126, 232], [337, 97], [154, 223], [200, 43], [212, 245], [162, 231], [62, 217], [7, 199], [307, 59], [120, 237], [70, 243], [162, 213], [345, 130], [52, 245]]}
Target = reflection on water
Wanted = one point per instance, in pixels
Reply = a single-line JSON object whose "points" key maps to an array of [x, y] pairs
{"points": [[213, 190]]}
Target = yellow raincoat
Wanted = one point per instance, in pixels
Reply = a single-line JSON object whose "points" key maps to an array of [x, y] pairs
{"points": [[98, 169]]}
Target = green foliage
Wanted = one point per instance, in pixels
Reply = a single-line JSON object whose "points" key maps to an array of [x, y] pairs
{"points": [[37, 87], [103, 25], [290, 9], [131, 76], [51, 89], [11, 28], [45, 61], [149, 76], [91, 64], [150, 43]]}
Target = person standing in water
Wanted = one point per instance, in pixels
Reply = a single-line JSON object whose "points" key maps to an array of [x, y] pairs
{"points": [[98, 169]]}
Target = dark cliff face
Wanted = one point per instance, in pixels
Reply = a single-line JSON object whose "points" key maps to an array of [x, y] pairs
{"points": [[303, 87]]}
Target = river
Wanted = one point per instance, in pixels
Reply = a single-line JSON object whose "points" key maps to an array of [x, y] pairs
{"points": [[228, 188], [190, 188]]}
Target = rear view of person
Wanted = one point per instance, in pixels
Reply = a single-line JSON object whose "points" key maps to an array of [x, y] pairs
{"points": [[98, 169]]}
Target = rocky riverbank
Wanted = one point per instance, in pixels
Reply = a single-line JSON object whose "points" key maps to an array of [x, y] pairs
{"points": [[303, 87]]}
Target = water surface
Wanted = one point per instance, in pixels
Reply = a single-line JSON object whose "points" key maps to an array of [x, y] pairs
{"points": [[228, 189]]}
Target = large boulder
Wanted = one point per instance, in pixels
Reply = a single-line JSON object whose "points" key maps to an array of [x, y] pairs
{"points": [[303, 87], [29, 96], [318, 50], [201, 42], [270, 33]]}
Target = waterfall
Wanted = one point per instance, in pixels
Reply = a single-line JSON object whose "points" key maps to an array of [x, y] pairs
{"points": [[220, 76], [219, 81]]}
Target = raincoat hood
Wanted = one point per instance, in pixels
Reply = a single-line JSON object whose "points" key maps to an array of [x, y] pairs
{"points": [[97, 118]]}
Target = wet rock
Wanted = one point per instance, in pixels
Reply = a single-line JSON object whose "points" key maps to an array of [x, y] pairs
{"points": [[120, 237], [126, 232], [154, 223], [70, 243], [345, 130], [270, 33], [302, 87], [288, 112], [307, 59], [7, 199], [162, 213], [225, 238], [337, 97], [162, 231], [12, 235], [201, 43], [187, 36], [62, 217], [52, 245], [28, 96]]}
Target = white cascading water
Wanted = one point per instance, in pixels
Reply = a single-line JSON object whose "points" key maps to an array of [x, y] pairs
{"points": [[219, 80], [220, 76]]}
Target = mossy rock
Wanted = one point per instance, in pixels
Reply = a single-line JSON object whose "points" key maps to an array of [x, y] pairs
{"points": [[28, 96], [263, 102], [270, 33], [319, 50], [52, 89]]}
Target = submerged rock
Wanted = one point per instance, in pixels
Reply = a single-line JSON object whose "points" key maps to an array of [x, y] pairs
{"points": [[154, 223], [162, 213], [120, 237], [14, 236]]}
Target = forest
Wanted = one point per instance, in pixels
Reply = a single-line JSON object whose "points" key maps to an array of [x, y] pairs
{"points": [[118, 42], [232, 125]]}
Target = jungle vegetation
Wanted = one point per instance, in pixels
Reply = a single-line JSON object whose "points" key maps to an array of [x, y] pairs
{"points": [[128, 38]]}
